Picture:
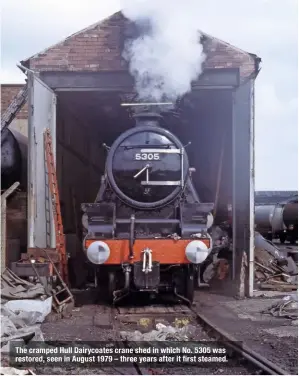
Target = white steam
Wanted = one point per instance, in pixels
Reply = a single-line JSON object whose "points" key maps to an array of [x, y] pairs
{"points": [[166, 60]]}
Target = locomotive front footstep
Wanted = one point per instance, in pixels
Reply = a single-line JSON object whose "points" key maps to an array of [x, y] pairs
{"points": [[147, 230]]}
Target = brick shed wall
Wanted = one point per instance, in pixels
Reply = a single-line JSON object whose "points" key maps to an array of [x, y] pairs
{"points": [[95, 49], [99, 48], [8, 92]]}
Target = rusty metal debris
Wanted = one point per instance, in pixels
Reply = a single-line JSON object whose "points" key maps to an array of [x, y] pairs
{"points": [[286, 308], [273, 270]]}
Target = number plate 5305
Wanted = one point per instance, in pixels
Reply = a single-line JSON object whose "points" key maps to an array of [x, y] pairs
{"points": [[147, 156]]}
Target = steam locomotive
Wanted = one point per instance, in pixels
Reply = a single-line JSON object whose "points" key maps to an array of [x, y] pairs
{"points": [[147, 229]]}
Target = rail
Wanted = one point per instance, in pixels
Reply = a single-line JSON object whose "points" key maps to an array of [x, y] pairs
{"points": [[131, 317], [260, 361], [227, 340]]}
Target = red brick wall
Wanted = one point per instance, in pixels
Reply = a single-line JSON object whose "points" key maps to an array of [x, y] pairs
{"points": [[94, 49], [223, 55], [8, 92], [99, 48]]}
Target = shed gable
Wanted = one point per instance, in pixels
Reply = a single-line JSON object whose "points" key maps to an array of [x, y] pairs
{"points": [[99, 48]]}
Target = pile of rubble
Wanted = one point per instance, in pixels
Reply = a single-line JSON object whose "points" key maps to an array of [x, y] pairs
{"points": [[273, 270], [162, 333], [24, 306], [287, 308]]}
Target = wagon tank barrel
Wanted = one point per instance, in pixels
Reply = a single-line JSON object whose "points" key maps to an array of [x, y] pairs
{"points": [[290, 214], [278, 219], [263, 216], [13, 158]]}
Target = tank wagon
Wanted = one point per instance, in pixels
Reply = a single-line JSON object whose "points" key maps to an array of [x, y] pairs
{"points": [[147, 229], [13, 159], [278, 220]]}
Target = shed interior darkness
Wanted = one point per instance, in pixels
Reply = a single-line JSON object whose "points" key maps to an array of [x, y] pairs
{"points": [[87, 119]]}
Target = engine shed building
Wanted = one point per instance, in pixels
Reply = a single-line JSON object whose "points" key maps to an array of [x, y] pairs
{"points": [[76, 88]]}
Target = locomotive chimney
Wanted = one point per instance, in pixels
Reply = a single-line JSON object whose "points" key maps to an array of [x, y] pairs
{"points": [[147, 118]]}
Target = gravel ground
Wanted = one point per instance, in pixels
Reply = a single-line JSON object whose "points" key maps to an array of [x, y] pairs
{"points": [[274, 338], [94, 322]]}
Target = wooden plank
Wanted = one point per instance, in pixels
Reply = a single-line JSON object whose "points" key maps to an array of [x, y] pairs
{"points": [[278, 287]]}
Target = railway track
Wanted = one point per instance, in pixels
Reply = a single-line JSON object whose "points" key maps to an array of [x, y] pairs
{"points": [[144, 317], [261, 363], [149, 316]]}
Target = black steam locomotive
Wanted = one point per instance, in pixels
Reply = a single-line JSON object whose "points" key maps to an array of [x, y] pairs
{"points": [[147, 228]]}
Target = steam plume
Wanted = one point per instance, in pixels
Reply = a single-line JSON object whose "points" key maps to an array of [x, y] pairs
{"points": [[168, 56]]}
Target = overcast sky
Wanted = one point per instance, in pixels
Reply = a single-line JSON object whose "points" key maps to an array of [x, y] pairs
{"points": [[268, 28]]}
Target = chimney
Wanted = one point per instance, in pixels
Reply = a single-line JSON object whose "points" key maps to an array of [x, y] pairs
{"points": [[147, 118]]}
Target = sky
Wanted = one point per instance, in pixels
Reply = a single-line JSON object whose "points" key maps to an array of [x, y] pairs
{"points": [[268, 28]]}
